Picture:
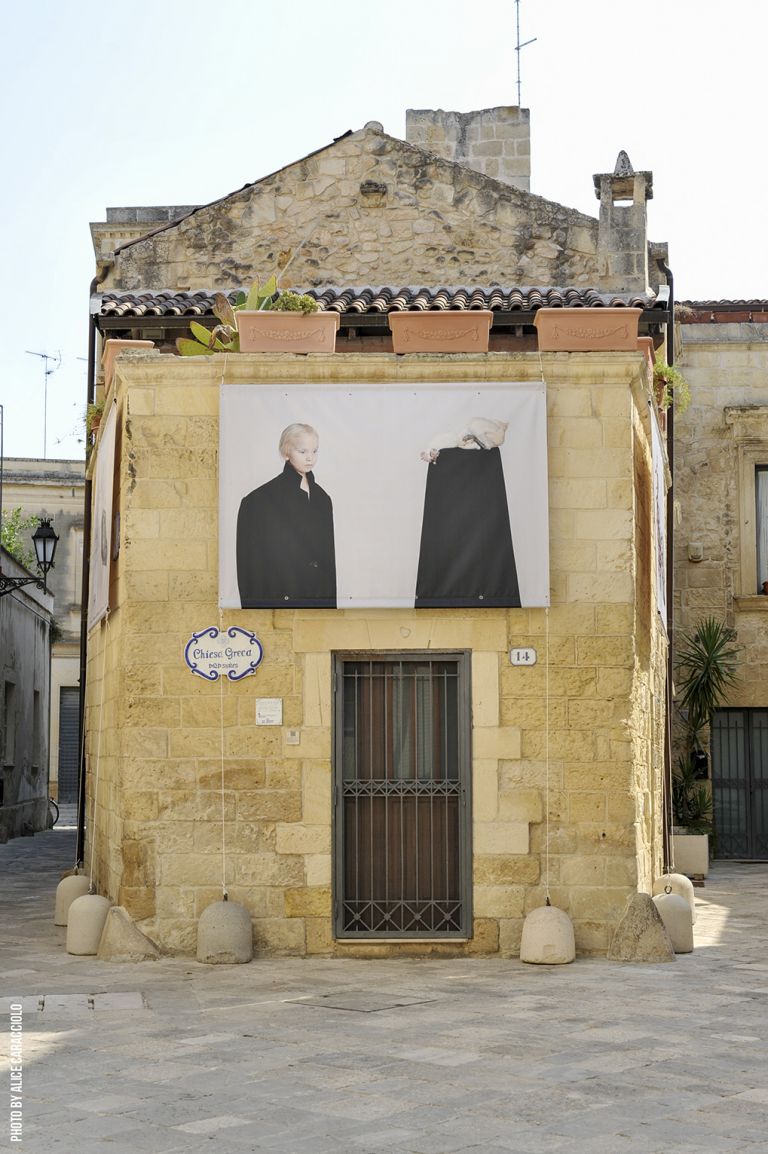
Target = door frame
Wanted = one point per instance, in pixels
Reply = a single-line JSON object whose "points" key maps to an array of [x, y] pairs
{"points": [[463, 659]]}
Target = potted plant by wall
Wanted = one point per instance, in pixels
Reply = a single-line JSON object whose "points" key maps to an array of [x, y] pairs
{"points": [[706, 663], [440, 330], [93, 414], [264, 320], [668, 384]]}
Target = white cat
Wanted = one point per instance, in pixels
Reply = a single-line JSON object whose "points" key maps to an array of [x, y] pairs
{"points": [[479, 433]]}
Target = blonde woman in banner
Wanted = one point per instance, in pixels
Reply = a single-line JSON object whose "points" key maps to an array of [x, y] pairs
{"points": [[466, 556], [286, 555]]}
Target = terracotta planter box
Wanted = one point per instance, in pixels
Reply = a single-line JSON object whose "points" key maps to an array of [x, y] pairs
{"points": [[112, 350], [441, 332], [276, 332], [587, 330]]}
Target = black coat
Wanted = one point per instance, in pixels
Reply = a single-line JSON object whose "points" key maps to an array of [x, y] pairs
{"points": [[286, 557], [466, 556]]}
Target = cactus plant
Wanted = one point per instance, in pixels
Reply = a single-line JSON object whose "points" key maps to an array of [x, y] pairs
{"points": [[224, 337]]}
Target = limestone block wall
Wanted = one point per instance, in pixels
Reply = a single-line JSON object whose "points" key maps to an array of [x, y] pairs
{"points": [[721, 437], [564, 784], [368, 209], [495, 141]]}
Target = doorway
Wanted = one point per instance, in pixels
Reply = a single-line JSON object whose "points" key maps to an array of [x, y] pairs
{"points": [[69, 744], [401, 822], [740, 783]]}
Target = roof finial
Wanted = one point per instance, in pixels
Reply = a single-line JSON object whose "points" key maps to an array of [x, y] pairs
{"points": [[623, 165]]}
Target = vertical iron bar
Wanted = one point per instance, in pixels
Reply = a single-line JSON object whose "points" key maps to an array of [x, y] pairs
{"points": [[357, 776], [385, 725], [445, 778], [431, 792], [417, 799], [371, 889]]}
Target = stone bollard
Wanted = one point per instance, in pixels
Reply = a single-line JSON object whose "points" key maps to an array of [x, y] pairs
{"points": [[73, 886], [224, 934], [548, 938], [87, 916], [675, 913], [678, 884]]}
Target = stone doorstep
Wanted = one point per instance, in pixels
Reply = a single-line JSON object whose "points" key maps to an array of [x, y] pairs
{"points": [[75, 1003]]}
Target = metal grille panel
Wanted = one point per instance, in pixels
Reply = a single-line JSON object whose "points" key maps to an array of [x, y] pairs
{"points": [[401, 797], [740, 782], [69, 749]]}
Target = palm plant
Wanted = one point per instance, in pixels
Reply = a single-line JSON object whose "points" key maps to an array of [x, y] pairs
{"points": [[707, 665]]}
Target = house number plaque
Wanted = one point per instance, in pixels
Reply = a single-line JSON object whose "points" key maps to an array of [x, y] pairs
{"points": [[526, 656]]}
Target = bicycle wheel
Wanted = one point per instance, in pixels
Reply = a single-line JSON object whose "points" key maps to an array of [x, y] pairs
{"points": [[53, 810]]}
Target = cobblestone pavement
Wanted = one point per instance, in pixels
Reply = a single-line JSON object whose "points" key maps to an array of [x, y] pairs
{"points": [[413, 1057]]}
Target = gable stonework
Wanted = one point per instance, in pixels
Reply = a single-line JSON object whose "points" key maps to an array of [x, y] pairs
{"points": [[369, 208]]}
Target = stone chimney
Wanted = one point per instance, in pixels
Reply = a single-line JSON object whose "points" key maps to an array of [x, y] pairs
{"points": [[622, 234], [494, 141]]}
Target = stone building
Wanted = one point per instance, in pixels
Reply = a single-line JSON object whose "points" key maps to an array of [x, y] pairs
{"points": [[25, 623], [556, 755], [721, 551], [55, 489]]}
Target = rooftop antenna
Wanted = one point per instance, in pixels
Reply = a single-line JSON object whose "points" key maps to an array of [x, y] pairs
{"points": [[519, 47], [46, 357]]}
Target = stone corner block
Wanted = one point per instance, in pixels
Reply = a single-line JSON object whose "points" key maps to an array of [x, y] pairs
{"points": [[640, 935], [122, 940]]}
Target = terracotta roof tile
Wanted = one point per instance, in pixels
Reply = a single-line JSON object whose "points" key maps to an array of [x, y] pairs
{"points": [[371, 300]]}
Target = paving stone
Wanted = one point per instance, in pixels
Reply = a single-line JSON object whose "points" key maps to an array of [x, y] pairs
{"points": [[330, 1056]]}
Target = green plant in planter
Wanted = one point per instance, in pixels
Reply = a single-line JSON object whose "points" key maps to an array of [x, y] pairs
{"points": [[691, 799], [93, 414], [670, 383], [707, 666], [291, 302], [224, 337]]}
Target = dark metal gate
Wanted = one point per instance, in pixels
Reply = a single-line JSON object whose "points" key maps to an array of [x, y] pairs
{"points": [[740, 783], [402, 855], [69, 759]]}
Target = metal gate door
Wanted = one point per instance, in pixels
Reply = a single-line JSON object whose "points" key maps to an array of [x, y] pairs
{"points": [[69, 748], [402, 865], [740, 782]]}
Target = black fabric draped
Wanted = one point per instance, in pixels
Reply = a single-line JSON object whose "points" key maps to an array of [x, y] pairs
{"points": [[286, 556], [466, 556]]}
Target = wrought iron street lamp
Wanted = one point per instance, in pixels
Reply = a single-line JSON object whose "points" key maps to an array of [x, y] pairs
{"points": [[45, 540]]}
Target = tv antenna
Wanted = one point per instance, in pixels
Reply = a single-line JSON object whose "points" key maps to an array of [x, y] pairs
{"points": [[519, 47], [46, 357]]}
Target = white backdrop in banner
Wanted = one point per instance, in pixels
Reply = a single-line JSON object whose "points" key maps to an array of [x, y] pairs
{"points": [[389, 511], [660, 516], [101, 524]]}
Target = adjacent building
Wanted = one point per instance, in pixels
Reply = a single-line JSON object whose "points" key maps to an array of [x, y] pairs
{"points": [[55, 489], [721, 552], [25, 623]]}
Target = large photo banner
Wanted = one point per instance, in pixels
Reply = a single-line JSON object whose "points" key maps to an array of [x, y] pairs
{"points": [[386, 495]]}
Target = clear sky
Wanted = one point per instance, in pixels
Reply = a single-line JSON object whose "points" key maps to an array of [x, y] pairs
{"points": [[180, 102]]}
